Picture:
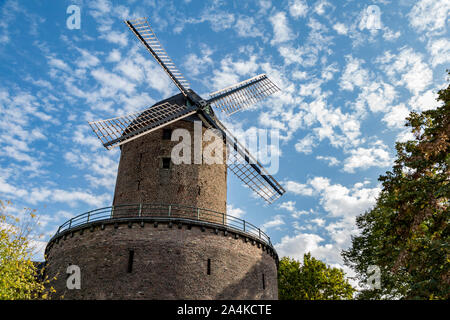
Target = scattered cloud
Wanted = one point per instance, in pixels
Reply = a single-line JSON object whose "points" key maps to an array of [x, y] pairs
{"points": [[364, 158], [298, 188], [340, 28], [276, 222], [298, 8], [235, 212], [281, 30], [332, 161], [430, 16]]}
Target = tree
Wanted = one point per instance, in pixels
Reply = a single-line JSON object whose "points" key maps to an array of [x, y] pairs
{"points": [[19, 277], [313, 280], [406, 233]]}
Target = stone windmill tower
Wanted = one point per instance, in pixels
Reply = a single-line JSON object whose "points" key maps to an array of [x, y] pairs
{"points": [[167, 235]]}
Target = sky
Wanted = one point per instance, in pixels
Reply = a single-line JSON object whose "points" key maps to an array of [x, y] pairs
{"points": [[349, 73]]}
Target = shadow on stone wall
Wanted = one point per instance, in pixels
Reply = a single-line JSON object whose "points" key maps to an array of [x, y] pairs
{"points": [[257, 291]]}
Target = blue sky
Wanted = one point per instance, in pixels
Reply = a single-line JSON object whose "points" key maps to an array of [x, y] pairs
{"points": [[348, 80]]}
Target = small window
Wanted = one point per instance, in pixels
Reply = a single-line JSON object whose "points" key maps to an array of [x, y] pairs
{"points": [[130, 261], [208, 268], [166, 163], [263, 282], [167, 134]]}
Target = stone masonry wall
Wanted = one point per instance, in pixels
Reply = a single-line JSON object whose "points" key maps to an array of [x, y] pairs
{"points": [[169, 263], [141, 178]]}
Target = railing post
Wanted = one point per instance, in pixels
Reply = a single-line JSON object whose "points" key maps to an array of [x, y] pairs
{"points": [[259, 233], [198, 214], [170, 209], [244, 225], [88, 216], [140, 209], [223, 218], [70, 223]]}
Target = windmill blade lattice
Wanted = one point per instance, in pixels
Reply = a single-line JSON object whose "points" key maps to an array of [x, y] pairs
{"points": [[240, 96], [142, 30], [249, 170], [116, 131]]}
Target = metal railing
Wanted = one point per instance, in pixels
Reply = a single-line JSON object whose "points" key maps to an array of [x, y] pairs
{"points": [[171, 211]]}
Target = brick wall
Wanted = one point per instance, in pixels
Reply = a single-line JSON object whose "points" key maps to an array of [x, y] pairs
{"points": [[168, 263], [141, 178]]}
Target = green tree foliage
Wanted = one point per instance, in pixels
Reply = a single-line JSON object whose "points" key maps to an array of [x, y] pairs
{"points": [[18, 275], [406, 233], [313, 280]]}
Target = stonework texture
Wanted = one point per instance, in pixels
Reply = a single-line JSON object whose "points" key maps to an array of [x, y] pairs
{"points": [[191, 262], [168, 263], [141, 177]]}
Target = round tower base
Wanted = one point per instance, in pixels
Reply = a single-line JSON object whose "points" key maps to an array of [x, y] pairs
{"points": [[162, 259]]}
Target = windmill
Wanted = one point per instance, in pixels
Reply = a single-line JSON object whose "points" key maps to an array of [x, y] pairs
{"points": [[167, 234], [120, 130]]}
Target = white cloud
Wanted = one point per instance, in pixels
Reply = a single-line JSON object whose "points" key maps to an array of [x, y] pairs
{"points": [[245, 27], [332, 161], [396, 116], [130, 69], [43, 194], [298, 188], [405, 135], [364, 158], [83, 136], [58, 63], [11, 191], [354, 74], [300, 75], [111, 82], [440, 51], [70, 197], [296, 246], [409, 70], [218, 20], [341, 201], [288, 205], [320, 6], [120, 38], [298, 8], [232, 72], [390, 35], [114, 56], [101, 167], [87, 59], [430, 15], [424, 101], [320, 222], [281, 30], [340, 28], [198, 64], [306, 144], [235, 212], [275, 222]]}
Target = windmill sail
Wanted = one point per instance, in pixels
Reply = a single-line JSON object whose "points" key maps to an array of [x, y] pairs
{"points": [[246, 167], [142, 30], [116, 131], [240, 96]]}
